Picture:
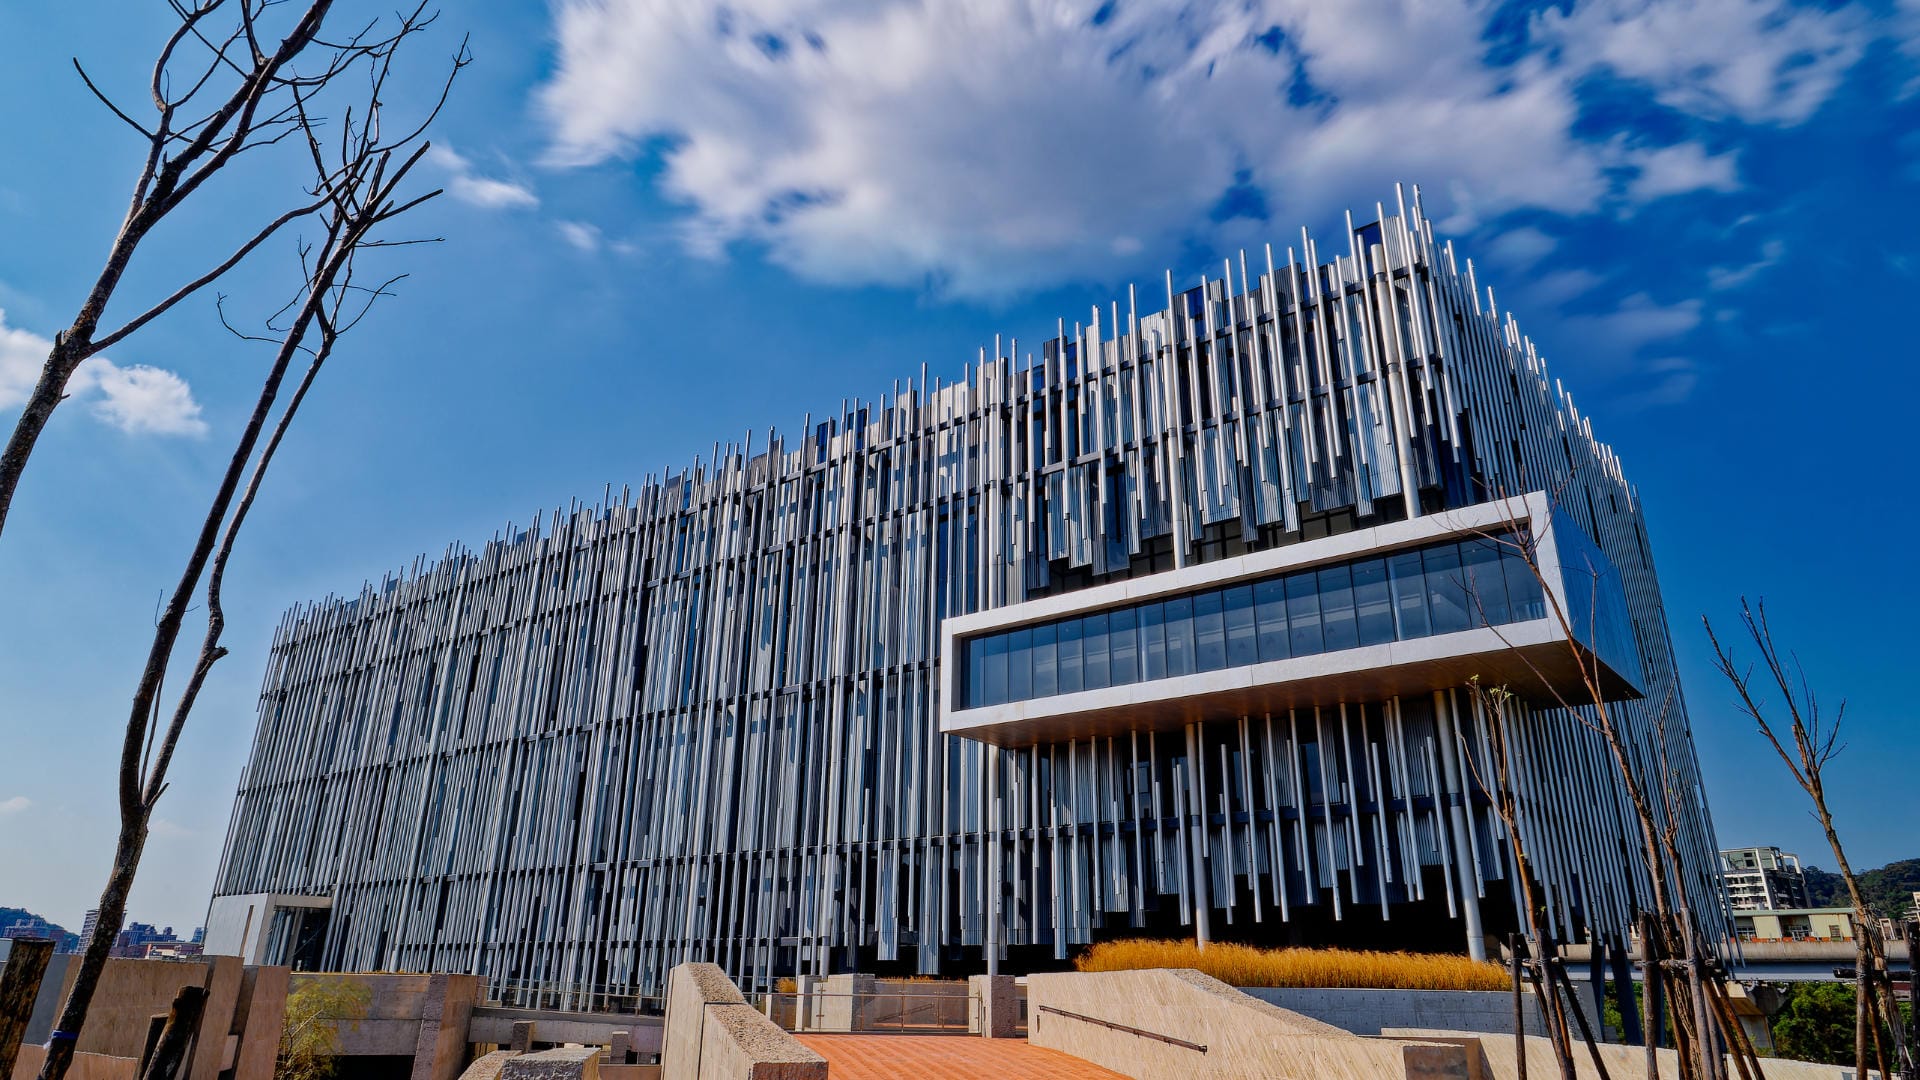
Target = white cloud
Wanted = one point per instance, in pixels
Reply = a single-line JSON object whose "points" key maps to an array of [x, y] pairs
{"points": [[1637, 321], [22, 354], [1679, 169], [483, 191], [16, 804], [981, 148], [581, 235], [1522, 247], [137, 399], [1669, 380], [989, 146], [1552, 290], [1759, 61], [1732, 277], [1906, 31], [167, 828]]}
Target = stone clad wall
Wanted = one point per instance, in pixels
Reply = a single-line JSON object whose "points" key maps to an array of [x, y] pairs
{"points": [[713, 1034], [1242, 1036], [1366, 1012]]}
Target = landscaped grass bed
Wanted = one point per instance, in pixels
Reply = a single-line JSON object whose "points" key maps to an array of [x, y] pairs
{"points": [[1245, 965]]}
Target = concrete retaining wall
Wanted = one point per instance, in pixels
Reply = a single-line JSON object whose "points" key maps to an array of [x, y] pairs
{"points": [[713, 1034], [1243, 1037], [392, 1023], [1366, 1012], [84, 1066], [1497, 1060]]}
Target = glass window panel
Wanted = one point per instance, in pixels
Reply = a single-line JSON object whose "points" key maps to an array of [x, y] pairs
{"points": [[1046, 660], [1270, 608], [1446, 590], [1241, 649], [1179, 636], [1409, 595], [1209, 632], [994, 682], [1336, 607], [1070, 663], [1093, 653], [1123, 647], [976, 672], [1524, 598], [1303, 614], [1020, 665], [1372, 601], [1153, 640], [1486, 584]]}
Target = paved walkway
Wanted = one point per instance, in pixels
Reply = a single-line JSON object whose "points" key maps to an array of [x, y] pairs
{"points": [[946, 1057]]}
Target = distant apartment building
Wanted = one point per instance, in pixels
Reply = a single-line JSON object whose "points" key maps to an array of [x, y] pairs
{"points": [[92, 920], [171, 950], [1794, 924], [31, 928], [133, 941], [1763, 879]]}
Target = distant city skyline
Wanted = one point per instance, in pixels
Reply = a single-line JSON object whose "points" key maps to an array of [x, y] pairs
{"points": [[1693, 205]]}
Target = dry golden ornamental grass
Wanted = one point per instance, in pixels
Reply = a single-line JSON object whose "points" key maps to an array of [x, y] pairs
{"points": [[1245, 965]]}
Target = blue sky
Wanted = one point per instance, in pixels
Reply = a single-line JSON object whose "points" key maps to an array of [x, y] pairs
{"points": [[670, 223]]}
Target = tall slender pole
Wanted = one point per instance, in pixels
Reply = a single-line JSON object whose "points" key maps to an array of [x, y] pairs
{"points": [[1651, 1019], [1519, 1010]]}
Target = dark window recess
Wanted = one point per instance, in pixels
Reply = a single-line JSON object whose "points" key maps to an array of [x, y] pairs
{"points": [[1415, 593]]}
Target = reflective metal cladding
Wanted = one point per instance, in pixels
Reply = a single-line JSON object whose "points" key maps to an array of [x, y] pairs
{"points": [[714, 718]]}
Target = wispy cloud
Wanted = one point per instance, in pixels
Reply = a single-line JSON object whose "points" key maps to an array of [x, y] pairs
{"points": [[581, 235], [1635, 322], [1757, 61], [1522, 247], [1680, 169], [1669, 380], [487, 192], [1721, 278], [138, 399], [15, 805], [1552, 290]]}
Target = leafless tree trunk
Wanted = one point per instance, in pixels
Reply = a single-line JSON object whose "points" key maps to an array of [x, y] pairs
{"points": [[360, 172], [1492, 705], [220, 89], [1697, 1028], [1816, 742]]}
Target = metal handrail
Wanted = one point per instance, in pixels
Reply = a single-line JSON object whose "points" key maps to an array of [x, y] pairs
{"points": [[1124, 1027]]}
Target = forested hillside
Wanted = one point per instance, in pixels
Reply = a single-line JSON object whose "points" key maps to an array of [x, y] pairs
{"points": [[68, 942], [1888, 890]]}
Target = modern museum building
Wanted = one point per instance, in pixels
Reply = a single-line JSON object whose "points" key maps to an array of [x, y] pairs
{"points": [[1186, 622]]}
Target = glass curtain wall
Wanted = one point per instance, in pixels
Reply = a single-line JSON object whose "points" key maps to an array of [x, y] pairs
{"points": [[1419, 592]]}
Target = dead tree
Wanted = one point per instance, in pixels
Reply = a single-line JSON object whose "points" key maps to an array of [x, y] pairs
{"points": [[1492, 705], [1676, 945], [1816, 742], [222, 90], [361, 172]]}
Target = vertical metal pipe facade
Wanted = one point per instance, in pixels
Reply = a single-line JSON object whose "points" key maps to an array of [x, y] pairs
{"points": [[699, 721]]}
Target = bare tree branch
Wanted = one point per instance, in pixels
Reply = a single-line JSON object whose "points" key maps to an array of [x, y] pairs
{"points": [[354, 194], [1816, 742], [266, 99]]}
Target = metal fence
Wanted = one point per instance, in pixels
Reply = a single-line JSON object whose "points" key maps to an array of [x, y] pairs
{"points": [[573, 997], [907, 1012]]}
